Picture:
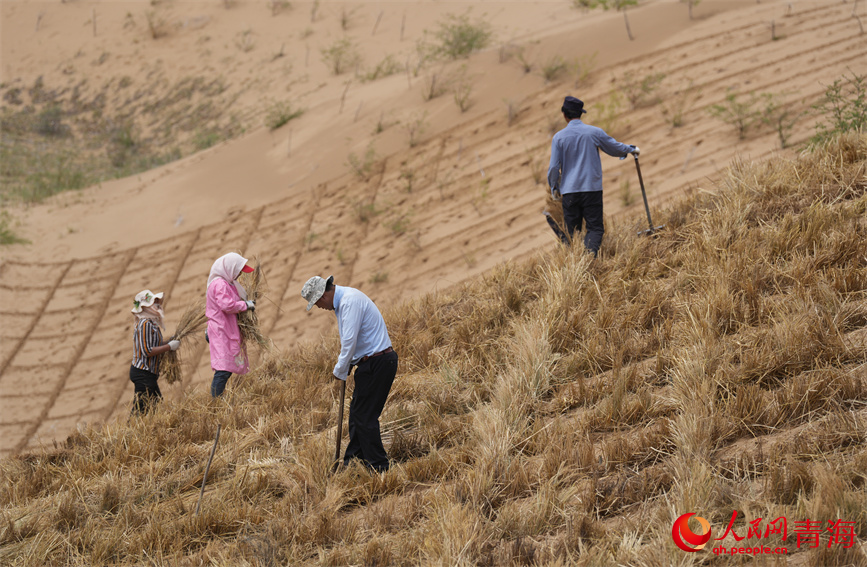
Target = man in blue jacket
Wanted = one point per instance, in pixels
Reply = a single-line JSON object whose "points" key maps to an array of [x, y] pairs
{"points": [[575, 172], [364, 344]]}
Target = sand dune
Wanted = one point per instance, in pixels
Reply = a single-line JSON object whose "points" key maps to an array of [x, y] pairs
{"points": [[467, 196]]}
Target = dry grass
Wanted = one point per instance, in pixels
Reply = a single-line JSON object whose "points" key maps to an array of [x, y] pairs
{"points": [[190, 328], [559, 411], [248, 321]]}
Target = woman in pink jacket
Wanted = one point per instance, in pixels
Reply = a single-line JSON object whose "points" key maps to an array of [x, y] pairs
{"points": [[224, 300]]}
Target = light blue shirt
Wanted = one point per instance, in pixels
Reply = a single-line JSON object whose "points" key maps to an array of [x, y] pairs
{"points": [[361, 327], [575, 165]]}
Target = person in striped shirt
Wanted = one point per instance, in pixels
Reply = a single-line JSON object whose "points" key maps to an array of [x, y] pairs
{"points": [[148, 348]]}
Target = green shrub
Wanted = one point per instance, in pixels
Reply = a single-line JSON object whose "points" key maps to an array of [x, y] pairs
{"points": [[341, 56], [6, 235], [780, 117], [362, 166], [641, 91], [742, 114], [280, 113], [458, 37], [844, 107], [49, 122], [554, 68], [385, 68]]}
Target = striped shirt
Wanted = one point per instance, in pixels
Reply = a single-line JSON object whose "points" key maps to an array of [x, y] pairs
{"points": [[145, 338]]}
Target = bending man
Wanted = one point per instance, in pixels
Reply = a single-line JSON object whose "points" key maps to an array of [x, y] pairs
{"points": [[364, 343]]}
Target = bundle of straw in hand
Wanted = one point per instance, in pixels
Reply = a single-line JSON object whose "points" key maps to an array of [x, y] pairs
{"points": [[190, 327], [248, 321], [555, 209]]}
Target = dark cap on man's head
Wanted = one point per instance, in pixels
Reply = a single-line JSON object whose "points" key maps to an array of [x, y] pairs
{"points": [[573, 107]]}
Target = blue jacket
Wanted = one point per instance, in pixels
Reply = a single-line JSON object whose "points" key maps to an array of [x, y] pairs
{"points": [[575, 165]]}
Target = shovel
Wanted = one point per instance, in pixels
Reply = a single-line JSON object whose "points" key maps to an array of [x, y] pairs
{"points": [[652, 228], [339, 427]]}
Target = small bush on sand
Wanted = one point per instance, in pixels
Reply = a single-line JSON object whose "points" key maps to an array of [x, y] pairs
{"points": [[280, 113], [7, 234], [641, 91], [554, 68], [341, 56], [843, 108], [742, 113], [458, 37], [362, 166]]}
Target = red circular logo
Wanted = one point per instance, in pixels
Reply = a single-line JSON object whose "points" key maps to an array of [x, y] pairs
{"points": [[683, 535]]}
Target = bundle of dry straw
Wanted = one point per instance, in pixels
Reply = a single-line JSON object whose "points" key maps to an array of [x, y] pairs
{"points": [[555, 208], [248, 321], [190, 327]]}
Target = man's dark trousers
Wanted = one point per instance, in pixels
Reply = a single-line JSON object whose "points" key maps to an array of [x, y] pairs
{"points": [[373, 379], [585, 207]]}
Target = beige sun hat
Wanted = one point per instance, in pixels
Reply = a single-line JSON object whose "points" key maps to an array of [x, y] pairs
{"points": [[313, 290], [144, 298]]}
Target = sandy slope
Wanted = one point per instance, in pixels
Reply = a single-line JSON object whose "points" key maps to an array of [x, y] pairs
{"points": [[287, 197]]}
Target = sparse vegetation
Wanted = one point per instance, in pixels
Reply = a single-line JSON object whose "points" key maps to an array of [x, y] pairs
{"points": [[407, 175], [462, 90], [347, 17], [458, 37], [606, 114], [158, 26], [524, 60], [554, 68], [385, 68], [7, 231], [54, 140], [723, 371], [279, 113], [362, 166], [245, 40], [781, 117], [675, 106], [641, 91], [277, 6], [415, 126], [366, 211], [512, 108], [626, 195], [379, 277], [399, 224], [341, 56], [843, 108], [741, 113], [584, 67]]}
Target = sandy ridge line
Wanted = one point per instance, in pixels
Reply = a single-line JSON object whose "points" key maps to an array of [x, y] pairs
{"points": [[68, 368]]}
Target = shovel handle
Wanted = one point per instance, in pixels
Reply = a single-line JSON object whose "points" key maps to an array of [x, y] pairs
{"points": [[339, 424], [643, 193]]}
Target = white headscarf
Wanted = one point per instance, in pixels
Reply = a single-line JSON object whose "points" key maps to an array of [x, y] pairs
{"points": [[228, 267]]}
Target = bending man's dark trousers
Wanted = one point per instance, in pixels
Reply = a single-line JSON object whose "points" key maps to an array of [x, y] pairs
{"points": [[579, 208], [373, 380]]}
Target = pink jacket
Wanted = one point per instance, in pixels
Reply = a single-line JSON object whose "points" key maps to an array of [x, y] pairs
{"points": [[222, 307]]}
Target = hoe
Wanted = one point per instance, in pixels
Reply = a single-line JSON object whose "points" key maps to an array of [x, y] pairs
{"points": [[652, 228]]}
